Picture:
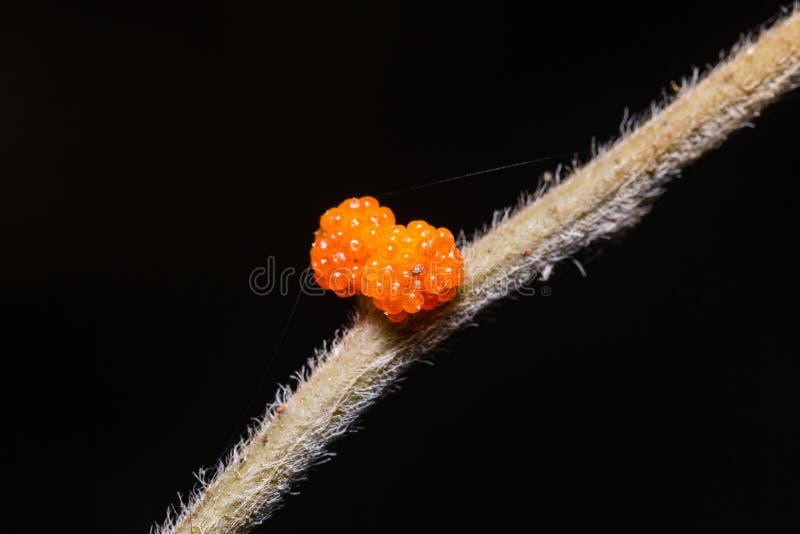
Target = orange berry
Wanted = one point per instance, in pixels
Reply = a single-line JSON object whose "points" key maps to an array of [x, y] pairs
{"points": [[404, 269], [349, 234], [416, 266]]}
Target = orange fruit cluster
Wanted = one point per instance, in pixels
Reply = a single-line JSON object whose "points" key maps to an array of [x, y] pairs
{"points": [[348, 236], [404, 269]]}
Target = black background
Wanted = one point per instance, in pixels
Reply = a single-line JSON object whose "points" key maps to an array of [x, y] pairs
{"points": [[154, 154]]}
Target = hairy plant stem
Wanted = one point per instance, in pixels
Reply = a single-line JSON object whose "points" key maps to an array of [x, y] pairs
{"points": [[606, 195]]}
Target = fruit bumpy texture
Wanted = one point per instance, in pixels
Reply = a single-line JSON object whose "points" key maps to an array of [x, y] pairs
{"points": [[348, 236], [404, 269]]}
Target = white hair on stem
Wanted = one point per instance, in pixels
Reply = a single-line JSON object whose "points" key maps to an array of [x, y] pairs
{"points": [[608, 194]]}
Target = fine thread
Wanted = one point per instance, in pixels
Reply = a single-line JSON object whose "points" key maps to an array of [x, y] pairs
{"points": [[270, 362], [477, 173]]}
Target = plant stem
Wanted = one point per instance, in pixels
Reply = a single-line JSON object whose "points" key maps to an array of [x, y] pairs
{"points": [[608, 194]]}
